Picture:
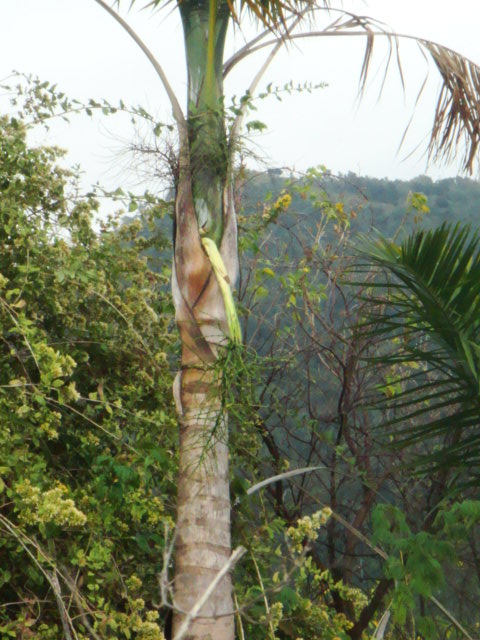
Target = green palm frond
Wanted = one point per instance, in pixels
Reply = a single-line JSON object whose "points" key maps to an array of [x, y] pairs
{"points": [[426, 321]]}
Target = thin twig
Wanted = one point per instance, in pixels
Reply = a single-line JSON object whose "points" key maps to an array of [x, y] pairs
{"points": [[241, 632], [167, 556], [450, 616], [176, 108], [61, 606], [265, 599], [21, 537], [193, 613], [254, 84]]}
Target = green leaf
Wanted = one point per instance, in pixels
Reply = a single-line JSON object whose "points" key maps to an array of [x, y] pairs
{"points": [[433, 312], [256, 125]]}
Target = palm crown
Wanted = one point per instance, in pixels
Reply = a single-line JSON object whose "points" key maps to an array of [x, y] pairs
{"points": [[456, 123]]}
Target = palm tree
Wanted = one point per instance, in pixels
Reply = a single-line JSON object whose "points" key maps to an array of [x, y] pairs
{"points": [[205, 265], [427, 325]]}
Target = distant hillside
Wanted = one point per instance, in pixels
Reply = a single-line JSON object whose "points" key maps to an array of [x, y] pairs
{"points": [[380, 203]]}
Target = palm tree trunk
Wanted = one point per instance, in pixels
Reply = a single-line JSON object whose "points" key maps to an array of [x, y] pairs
{"points": [[204, 206], [203, 519], [203, 509]]}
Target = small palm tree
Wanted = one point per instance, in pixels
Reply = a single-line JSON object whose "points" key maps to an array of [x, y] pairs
{"points": [[427, 325], [206, 257]]}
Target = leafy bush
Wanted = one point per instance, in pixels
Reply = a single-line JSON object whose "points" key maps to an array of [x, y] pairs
{"points": [[87, 429]]}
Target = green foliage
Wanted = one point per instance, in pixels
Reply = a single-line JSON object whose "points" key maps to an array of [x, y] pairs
{"points": [[309, 406], [87, 426], [283, 590], [38, 101], [418, 562], [431, 314], [289, 272], [415, 560], [247, 102]]}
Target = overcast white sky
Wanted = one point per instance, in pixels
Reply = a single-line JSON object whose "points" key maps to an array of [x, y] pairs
{"points": [[76, 44]]}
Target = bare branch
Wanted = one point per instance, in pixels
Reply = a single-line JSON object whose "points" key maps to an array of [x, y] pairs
{"points": [[281, 476], [253, 86], [176, 109]]}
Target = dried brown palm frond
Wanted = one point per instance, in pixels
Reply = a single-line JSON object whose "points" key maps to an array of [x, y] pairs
{"points": [[345, 24], [456, 125], [273, 14]]}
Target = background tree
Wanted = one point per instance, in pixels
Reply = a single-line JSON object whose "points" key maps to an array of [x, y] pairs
{"points": [[388, 535]]}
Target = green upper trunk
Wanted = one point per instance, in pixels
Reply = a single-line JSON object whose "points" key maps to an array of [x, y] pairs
{"points": [[205, 24]]}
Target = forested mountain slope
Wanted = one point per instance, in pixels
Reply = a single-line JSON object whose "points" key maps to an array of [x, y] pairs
{"points": [[381, 202]]}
